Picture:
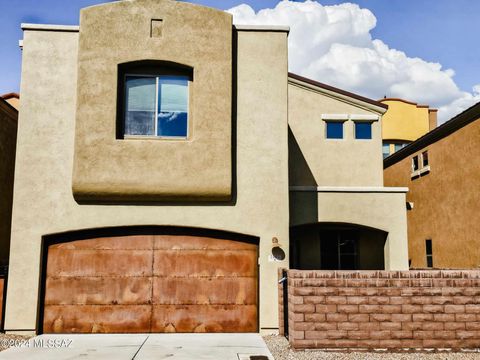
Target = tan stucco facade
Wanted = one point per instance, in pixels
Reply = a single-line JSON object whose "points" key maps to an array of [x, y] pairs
{"points": [[43, 193], [8, 137], [445, 201], [73, 173], [192, 36], [341, 180]]}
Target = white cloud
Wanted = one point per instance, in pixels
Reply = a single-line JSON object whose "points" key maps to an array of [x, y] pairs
{"points": [[333, 44]]}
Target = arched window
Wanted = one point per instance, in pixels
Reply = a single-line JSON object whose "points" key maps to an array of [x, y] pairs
{"points": [[154, 100]]}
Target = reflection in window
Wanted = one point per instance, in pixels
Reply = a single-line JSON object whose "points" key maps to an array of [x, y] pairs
{"points": [[156, 105], [363, 130], [385, 150], [334, 129]]}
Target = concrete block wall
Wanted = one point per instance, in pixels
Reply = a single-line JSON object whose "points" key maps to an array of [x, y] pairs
{"points": [[383, 309]]}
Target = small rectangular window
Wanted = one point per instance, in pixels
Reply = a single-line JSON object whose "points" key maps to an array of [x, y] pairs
{"points": [[334, 129], [363, 130], [415, 164], [428, 250], [425, 158], [156, 105]]}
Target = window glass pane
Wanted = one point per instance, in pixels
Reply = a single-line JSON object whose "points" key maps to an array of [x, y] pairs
{"points": [[334, 129], [172, 106], [386, 150], [140, 105], [415, 163], [363, 130], [425, 158]]}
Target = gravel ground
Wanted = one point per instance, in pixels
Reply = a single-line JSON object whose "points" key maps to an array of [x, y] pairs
{"points": [[9, 340], [280, 350]]}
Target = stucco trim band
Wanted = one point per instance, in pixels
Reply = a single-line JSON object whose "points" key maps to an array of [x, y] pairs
{"points": [[50, 27], [274, 28], [350, 189]]}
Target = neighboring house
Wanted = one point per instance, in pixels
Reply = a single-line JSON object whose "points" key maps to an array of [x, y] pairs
{"points": [[13, 99], [8, 139], [405, 122], [167, 164], [442, 172]]}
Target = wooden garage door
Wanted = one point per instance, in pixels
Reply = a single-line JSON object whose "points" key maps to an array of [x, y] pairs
{"points": [[161, 283]]}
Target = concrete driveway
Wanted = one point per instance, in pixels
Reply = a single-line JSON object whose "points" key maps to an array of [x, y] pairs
{"points": [[141, 347]]}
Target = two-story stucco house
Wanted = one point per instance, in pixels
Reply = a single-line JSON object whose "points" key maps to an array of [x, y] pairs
{"points": [[168, 165]]}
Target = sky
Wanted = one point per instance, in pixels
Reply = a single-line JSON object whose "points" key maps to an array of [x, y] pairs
{"points": [[424, 51]]}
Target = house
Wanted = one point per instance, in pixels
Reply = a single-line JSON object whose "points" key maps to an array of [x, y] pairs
{"points": [[441, 170], [404, 122], [168, 164], [12, 98], [8, 137]]}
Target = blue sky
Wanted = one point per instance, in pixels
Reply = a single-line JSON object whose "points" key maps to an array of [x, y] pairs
{"points": [[440, 31]]}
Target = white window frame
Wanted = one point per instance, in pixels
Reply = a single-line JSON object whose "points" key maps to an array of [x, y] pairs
{"points": [[143, 137]]}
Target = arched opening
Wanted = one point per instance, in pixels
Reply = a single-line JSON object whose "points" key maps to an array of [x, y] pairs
{"points": [[149, 280], [336, 246]]}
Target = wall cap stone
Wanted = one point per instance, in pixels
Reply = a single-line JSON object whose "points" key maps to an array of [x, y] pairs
{"points": [[351, 189], [50, 27]]}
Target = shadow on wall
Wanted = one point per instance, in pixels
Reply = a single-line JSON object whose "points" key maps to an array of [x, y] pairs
{"points": [[303, 205], [336, 246]]}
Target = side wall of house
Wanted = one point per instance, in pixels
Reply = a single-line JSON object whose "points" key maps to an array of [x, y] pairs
{"points": [[317, 161], [8, 140], [446, 201], [43, 200]]}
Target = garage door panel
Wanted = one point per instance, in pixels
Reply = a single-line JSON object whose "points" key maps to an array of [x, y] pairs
{"points": [[75, 262], [204, 318], [98, 290], [97, 318], [122, 284], [133, 242], [214, 291], [200, 263], [185, 242]]}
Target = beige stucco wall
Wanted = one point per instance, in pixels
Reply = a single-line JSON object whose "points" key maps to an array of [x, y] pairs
{"points": [[380, 210], [344, 164], [123, 170], [8, 137], [43, 200], [328, 162]]}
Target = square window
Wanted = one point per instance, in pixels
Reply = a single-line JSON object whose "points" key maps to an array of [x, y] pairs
{"points": [[363, 130], [334, 129], [156, 106]]}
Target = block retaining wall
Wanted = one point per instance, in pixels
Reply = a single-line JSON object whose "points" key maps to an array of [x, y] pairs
{"points": [[395, 310]]}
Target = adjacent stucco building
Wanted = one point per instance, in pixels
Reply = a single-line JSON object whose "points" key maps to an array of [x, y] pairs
{"points": [[8, 138], [404, 122], [167, 164], [442, 171]]}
